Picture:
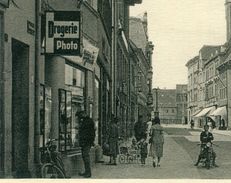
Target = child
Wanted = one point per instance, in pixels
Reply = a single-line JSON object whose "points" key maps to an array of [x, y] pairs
{"points": [[134, 145], [143, 150]]}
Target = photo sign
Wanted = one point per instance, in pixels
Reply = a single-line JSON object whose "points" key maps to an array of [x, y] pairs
{"points": [[4, 3], [63, 33]]}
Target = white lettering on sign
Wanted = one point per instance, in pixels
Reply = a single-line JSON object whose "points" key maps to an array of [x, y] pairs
{"points": [[67, 46], [63, 33], [60, 29]]}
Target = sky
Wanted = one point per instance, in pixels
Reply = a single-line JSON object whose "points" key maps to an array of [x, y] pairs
{"points": [[178, 29]]}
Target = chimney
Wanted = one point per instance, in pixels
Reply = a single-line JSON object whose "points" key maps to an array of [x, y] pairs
{"points": [[228, 19]]}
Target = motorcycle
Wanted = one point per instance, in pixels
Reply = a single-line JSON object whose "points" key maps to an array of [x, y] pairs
{"points": [[207, 155]]}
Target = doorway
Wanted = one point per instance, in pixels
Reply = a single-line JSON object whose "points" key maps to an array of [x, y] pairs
{"points": [[20, 108]]}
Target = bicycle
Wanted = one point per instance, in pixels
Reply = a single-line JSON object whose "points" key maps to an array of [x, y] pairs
{"points": [[52, 164]]}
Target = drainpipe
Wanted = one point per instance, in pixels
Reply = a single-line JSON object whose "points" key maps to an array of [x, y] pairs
{"points": [[2, 93], [113, 76], [37, 85]]}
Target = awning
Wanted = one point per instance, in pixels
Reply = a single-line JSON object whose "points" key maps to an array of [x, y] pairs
{"points": [[195, 113], [205, 111], [220, 111]]}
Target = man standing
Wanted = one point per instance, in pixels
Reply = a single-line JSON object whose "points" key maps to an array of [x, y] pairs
{"points": [[86, 140]]}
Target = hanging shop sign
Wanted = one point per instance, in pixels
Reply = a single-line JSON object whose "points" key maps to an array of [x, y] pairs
{"points": [[5, 3], [90, 52], [63, 33]]}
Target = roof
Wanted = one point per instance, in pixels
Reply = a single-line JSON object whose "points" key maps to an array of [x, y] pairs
{"points": [[191, 61], [207, 50]]}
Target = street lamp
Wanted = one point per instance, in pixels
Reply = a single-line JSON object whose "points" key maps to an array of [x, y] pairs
{"points": [[149, 77], [156, 112]]}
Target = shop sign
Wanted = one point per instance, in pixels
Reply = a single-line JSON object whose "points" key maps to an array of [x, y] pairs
{"points": [[63, 33], [90, 52], [30, 28], [5, 3]]}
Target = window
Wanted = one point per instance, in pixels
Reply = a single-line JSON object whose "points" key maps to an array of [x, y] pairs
{"points": [[74, 76], [65, 122], [71, 101], [173, 111], [45, 114]]}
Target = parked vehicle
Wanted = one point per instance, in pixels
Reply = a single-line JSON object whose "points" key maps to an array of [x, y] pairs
{"points": [[52, 164]]}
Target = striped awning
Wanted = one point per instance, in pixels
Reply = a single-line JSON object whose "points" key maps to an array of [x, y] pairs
{"points": [[205, 111], [220, 111]]}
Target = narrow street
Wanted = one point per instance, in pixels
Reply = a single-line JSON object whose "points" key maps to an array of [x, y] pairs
{"points": [[180, 153]]}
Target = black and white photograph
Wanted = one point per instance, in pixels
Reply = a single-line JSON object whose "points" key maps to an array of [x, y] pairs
{"points": [[104, 90]]}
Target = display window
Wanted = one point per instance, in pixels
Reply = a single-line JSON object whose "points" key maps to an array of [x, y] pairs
{"points": [[70, 105], [65, 125], [45, 114]]}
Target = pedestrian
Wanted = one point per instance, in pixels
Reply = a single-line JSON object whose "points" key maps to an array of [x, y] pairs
{"points": [[86, 140], [143, 145], [149, 124], [140, 128], [192, 123], [113, 141], [157, 141]]}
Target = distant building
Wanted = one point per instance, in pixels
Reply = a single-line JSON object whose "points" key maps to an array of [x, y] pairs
{"points": [[171, 104], [181, 103]]}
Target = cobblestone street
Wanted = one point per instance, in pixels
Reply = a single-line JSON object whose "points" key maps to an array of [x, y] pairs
{"points": [[180, 154]]}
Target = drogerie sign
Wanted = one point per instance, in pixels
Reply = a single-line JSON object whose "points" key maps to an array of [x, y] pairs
{"points": [[4, 3], [63, 33]]}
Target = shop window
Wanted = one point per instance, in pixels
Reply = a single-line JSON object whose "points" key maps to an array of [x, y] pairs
{"points": [[65, 121], [45, 114], [74, 76]]}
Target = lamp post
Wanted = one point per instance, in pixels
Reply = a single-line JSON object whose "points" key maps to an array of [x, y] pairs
{"points": [[156, 112], [149, 77]]}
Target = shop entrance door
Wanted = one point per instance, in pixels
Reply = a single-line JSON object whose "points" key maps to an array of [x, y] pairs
{"points": [[20, 108]]}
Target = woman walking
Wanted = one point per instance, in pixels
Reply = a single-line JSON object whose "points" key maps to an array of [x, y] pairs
{"points": [[156, 141], [113, 141]]}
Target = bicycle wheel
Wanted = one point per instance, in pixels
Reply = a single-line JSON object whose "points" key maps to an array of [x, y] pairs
{"points": [[51, 171], [130, 159], [122, 158]]}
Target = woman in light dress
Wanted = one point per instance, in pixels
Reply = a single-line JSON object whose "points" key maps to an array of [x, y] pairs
{"points": [[156, 141]]}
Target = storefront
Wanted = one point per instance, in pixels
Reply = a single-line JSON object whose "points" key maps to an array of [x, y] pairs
{"points": [[220, 116], [204, 116]]}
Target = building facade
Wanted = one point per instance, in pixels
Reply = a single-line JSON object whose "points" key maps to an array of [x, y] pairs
{"points": [[143, 49], [171, 104], [41, 92]]}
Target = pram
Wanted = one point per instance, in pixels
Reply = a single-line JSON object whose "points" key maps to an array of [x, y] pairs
{"points": [[129, 154]]}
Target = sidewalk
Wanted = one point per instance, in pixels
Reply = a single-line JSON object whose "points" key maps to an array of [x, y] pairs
{"points": [[216, 131], [172, 166]]}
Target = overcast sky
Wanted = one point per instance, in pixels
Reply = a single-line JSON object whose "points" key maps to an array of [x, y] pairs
{"points": [[178, 29]]}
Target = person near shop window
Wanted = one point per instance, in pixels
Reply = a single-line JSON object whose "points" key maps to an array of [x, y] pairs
{"points": [[113, 141], [86, 140], [140, 129]]}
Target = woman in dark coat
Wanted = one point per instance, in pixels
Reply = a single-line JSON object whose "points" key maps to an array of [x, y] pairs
{"points": [[113, 140]]}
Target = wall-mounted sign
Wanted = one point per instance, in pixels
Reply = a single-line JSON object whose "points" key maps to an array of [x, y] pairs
{"points": [[90, 52], [30, 28], [63, 33], [4, 3]]}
